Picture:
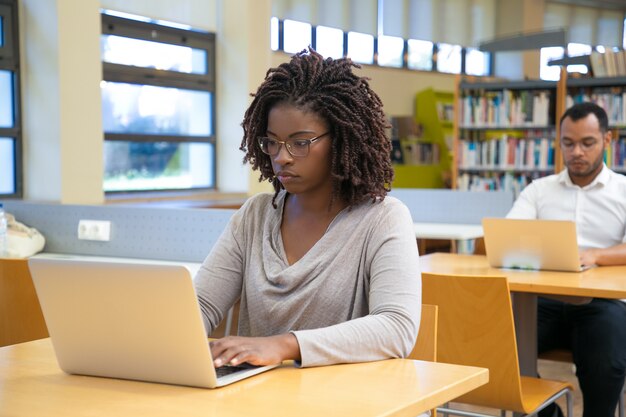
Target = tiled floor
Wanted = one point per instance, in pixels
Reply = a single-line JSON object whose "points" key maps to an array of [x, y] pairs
{"points": [[551, 370]]}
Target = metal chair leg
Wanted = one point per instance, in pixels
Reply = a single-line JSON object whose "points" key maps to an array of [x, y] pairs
{"points": [[620, 405], [570, 404]]}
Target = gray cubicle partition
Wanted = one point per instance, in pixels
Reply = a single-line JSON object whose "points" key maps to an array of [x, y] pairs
{"points": [[451, 206], [147, 233]]}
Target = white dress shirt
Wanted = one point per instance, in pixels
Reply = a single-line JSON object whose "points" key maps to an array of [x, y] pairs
{"points": [[599, 209]]}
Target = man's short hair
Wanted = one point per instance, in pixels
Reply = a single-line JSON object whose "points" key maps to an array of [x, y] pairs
{"points": [[581, 110]]}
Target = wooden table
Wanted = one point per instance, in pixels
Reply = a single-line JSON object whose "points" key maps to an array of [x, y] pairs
{"points": [[31, 383], [599, 282]]}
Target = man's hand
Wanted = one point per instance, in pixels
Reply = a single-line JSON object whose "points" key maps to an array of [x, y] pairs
{"points": [[589, 257], [234, 350]]}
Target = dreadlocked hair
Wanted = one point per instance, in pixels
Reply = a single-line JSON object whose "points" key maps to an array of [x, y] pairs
{"points": [[360, 151]]}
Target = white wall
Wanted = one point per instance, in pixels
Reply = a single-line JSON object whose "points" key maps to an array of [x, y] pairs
{"points": [[62, 121], [200, 14]]}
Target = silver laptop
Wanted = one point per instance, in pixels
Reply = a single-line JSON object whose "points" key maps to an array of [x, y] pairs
{"points": [[128, 320], [532, 244]]}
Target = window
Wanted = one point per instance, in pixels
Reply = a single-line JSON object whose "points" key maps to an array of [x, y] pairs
{"points": [[297, 36], [361, 47], [578, 49], [329, 42], [274, 35], [449, 58], [390, 51], [292, 36], [158, 106], [476, 62], [420, 55], [547, 72], [10, 119]]}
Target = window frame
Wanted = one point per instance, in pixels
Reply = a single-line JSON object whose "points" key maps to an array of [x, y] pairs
{"points": [[119, 73], [9, 61]]}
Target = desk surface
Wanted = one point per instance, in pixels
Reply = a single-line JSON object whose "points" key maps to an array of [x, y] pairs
{"points": [[31, 383], [601, 282], [447, 231]]}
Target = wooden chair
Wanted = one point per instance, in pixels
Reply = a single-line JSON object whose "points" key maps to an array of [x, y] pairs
{"points": [[425, 348], [21, 319], [476, 328], [564, 355], [426, 344]]}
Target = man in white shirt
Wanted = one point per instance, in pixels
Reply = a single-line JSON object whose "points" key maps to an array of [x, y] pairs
{"points": [[593, 196]]}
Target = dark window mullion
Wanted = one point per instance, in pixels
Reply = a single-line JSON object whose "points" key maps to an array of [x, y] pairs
{"points": [[112, 25], [150, 76], [139, 137], [7, 49]]}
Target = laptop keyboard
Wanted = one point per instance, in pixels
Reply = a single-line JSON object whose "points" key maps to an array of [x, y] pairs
{"points": [[228, 369]]}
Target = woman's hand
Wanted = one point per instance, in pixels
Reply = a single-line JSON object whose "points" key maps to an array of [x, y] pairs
{"points": [[234, 350]]}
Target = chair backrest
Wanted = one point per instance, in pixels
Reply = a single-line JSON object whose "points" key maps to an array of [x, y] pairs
{"points": [[426, 344], [21, 319], [476, 328]]}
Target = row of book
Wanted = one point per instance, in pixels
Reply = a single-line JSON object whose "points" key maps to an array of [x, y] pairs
{"points": [[615, 155], [445, 111], [506, 108], [494, 181], [614, 103], [507, 152], [608, 64], [410, 152]]}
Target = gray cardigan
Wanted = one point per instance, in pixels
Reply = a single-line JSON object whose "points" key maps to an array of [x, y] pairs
{"points": [[355, 296]]}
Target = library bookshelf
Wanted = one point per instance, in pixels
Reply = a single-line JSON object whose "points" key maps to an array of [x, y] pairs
{"points": [[493, 140], [426, 160], [610, 94], [506, 134]]}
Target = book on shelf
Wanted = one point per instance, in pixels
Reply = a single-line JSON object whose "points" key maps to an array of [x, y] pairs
{"points": [[506, 181], [396, 152], [615, 154], [408, 145], [504, 108], [445, 111], [507, 152], [597, 64], [614, 103], [419, 153], [611, 63]]}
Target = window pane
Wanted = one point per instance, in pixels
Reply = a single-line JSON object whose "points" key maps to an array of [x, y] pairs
{"points": [[145, 109], [390, 51], [449, 58], [361, 47], [550, 72], [420, 55], [6, 99], [274, 33], [147, 54], [476, 62], [134, 166], [7, 166], [296, 36], [329, 42], [578, 49]]}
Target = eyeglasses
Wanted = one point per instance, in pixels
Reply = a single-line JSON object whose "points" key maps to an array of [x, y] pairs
{"points": [[297, 147], [585, 145]]}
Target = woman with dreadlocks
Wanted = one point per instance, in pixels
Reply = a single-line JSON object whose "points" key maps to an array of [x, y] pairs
{"points": [[326, 267]]}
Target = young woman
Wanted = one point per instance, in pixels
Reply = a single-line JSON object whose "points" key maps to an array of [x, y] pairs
{"points": [[326, 268]]}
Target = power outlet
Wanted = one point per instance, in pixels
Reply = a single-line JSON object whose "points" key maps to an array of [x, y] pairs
{"points": [[94, 230]]}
